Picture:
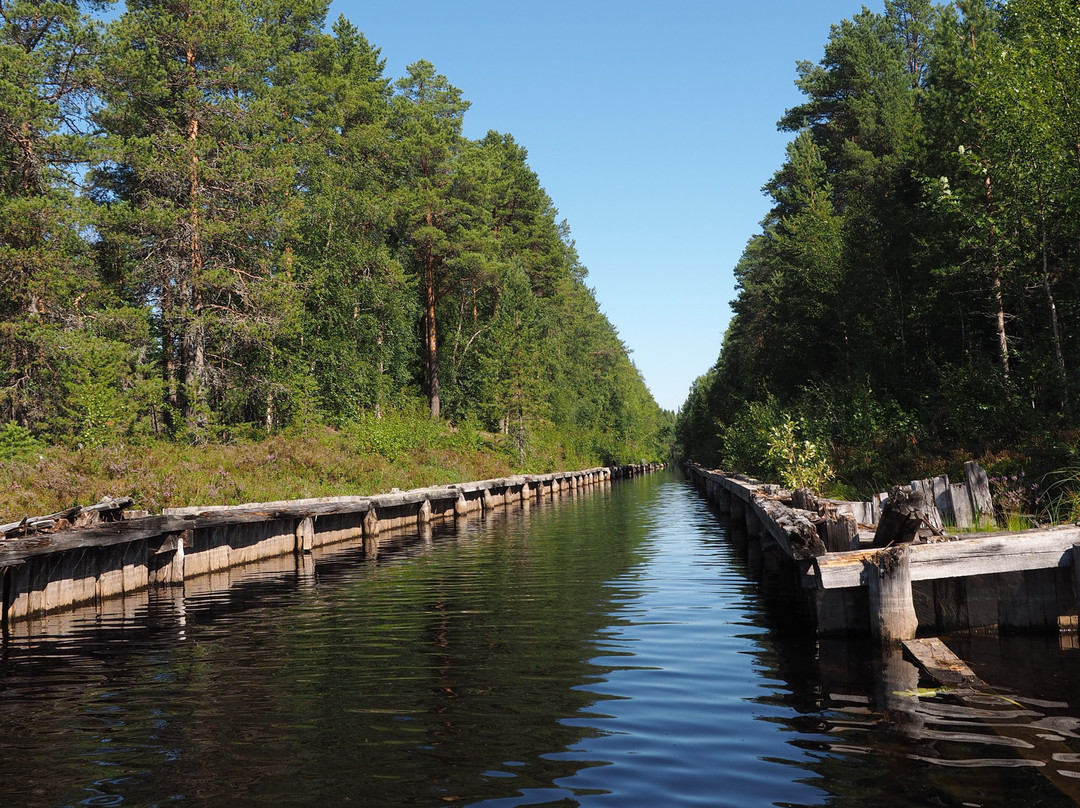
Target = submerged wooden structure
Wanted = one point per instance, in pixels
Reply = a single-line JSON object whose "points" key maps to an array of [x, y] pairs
{"points": [[1001, 581], [43, 573]]}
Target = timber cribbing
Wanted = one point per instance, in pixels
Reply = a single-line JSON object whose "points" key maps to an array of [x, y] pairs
{"points": [[46, 573], [1010, 581]]}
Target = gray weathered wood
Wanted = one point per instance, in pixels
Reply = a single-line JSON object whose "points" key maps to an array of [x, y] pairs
{"points": [[960, 504], [892, 610], [986, 554], [305, 535], [841, 533], [926, 488], [901, 517], [942, 500], [979, 489]]}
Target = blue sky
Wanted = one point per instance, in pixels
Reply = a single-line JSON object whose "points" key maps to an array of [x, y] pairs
{"points": [[651, 125]]}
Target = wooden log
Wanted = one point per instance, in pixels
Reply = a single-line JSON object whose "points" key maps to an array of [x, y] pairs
{"points": [[966, 558], [169, 557], [107, 510], [892, 610], [804, 499], [926, 488], [863, 512], [753, 522], [960, 505], [901, 517], [841, 533]]}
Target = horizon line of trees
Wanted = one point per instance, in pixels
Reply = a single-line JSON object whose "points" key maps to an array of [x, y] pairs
{"points": [[915, 285], [218, 218]]}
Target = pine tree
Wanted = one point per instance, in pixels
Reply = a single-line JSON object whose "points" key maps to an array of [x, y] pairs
{"points": [[198, 179], [426, 122]]}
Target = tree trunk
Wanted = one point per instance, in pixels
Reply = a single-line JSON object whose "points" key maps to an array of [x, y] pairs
{"points": [[431, 348], [1003, 339], [193, 355], [999, 320], [1055, 331]]}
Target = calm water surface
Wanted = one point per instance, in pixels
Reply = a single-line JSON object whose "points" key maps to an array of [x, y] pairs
{"points": [[610, 649]]}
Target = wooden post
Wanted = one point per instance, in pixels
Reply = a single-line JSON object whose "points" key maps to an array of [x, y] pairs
{"points": [[424, 515], [723, 500], [305, 535], [755, 553], [892, 610], [753, 522], [979, 489], [488, 501], [461, 507], [167, 559], [738, 509], [371, 523]]}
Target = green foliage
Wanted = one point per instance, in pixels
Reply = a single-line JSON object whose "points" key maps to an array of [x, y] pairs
{"points": [[800, 463], [274, 236], [18, 443], [746, 436], [397, 434], [913, 290]]}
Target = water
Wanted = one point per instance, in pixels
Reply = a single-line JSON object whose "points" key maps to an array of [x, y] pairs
{"points": [[612, 649]]}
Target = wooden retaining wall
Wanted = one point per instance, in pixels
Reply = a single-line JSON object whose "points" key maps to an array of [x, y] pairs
{"points": [[46, 573], [1023, 581]]}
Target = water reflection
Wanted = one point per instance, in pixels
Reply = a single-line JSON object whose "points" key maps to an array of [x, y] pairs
{"points": [[615, 649]]}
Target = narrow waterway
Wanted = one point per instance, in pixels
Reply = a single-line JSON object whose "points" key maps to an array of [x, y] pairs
{"points": [[607, 649]]}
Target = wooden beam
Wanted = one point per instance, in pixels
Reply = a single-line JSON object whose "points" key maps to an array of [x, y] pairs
{"points": [[986, 554]]}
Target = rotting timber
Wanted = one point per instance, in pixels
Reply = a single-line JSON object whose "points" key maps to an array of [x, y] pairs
{"points": [[1025, 581], [43, 573]]}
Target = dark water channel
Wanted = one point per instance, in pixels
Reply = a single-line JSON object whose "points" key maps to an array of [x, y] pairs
{"points": [[610, 649]]}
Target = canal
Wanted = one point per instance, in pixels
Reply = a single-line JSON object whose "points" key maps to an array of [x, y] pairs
{"points": [[611, 648]]}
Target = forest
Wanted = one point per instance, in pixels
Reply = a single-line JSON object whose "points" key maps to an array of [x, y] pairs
{"points": [[912, 299], [221, 221]]}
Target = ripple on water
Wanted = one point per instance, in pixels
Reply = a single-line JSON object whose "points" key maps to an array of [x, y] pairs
{"points": [[611, 649]]}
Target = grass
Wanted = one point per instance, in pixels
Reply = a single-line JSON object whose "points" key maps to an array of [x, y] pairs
{"points": [[368, 457]]}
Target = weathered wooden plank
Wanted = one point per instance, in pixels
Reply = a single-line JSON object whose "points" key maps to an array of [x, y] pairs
{"points": [[984, 555], [941, 663], [978, 486], [942, 500], [960, 505]]}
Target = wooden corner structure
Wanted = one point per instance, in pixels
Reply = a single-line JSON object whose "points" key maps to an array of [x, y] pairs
{"points": [[1022, 581], [43, 573]]}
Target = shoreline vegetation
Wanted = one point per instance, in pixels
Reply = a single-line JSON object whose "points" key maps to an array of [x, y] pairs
{"points": [[912, 299], [363, 459], [239, 262]]}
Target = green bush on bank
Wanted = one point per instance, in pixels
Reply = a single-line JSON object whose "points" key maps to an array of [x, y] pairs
{"points": [[369, 455]]}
